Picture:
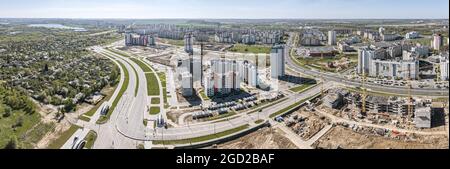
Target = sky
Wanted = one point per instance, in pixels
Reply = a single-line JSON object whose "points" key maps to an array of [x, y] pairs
{"points": [[227, 9]]}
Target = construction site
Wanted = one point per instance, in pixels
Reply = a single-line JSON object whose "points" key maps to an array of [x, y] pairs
{"points": [[266, 138], [382, 122], [337, 121], [341, 137]]}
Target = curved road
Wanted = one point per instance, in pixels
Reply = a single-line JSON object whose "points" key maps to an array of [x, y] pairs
{"points": [[126, 127]]}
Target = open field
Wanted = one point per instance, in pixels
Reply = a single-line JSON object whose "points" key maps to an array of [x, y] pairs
{"points": [[265, 138], [58, 143], [239, 48], [172, 42]]}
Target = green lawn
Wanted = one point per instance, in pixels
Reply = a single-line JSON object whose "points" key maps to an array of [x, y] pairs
{"points": [[84, 118], [173, 42], [203, 95], [203, 138], [162, 77], [291, 107], [256, 49], [119, 53], [58, 143], [145, 122], [36, 134], [90, 139], [155, 110], [104, 119], [7, 131], [301, 88], [152, 84], [318, 62], [259, 121], [140, 147], [141, 64], [156, 101], [137, 80], [134, 70]]}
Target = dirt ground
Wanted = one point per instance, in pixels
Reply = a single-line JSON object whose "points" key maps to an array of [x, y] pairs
{"points": [[340, 137], [265, 138], [310, 123], [48, 114]]}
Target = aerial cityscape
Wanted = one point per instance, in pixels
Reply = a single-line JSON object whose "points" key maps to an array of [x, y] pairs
{"points": [[195, 74]]}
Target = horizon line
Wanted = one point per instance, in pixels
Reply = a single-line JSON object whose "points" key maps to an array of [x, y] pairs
{"points": [[86, 18]]}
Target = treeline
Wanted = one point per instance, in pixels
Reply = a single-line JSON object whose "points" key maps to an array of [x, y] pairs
{"points": [[15, 100]]}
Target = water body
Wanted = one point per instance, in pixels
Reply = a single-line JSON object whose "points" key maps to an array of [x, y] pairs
{"points": [[58, 26]]}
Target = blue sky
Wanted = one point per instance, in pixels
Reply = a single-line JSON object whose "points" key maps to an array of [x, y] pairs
{"points": [[249, 9]]}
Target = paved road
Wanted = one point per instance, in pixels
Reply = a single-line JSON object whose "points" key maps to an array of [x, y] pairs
{"points": [[129, 111], [80, 133], [197, 130], [125, 127]]}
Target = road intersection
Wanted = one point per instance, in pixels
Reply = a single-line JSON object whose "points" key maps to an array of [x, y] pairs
{"points": [[125, 129]]}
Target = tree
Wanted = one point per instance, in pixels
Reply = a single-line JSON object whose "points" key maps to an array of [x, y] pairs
{"points": [[46, 68], [69, 105], [12, 143], [19, 123], [7, 111]]}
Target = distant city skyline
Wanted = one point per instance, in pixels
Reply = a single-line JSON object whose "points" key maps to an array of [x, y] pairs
{"points": [[229, 9]]}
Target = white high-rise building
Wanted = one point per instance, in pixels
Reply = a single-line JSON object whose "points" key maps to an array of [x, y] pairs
{"points": [[444, 69], [224, 77], [332, 38], [189, 43], [365, 57], [209, 84], [128, 39], [196, 67], [186, 84], [152, 40], [277, 61], [252, 76], [381, 30], [437, 42]]}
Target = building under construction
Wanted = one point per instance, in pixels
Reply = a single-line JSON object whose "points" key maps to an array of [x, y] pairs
{"points": [[374, 104]]}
